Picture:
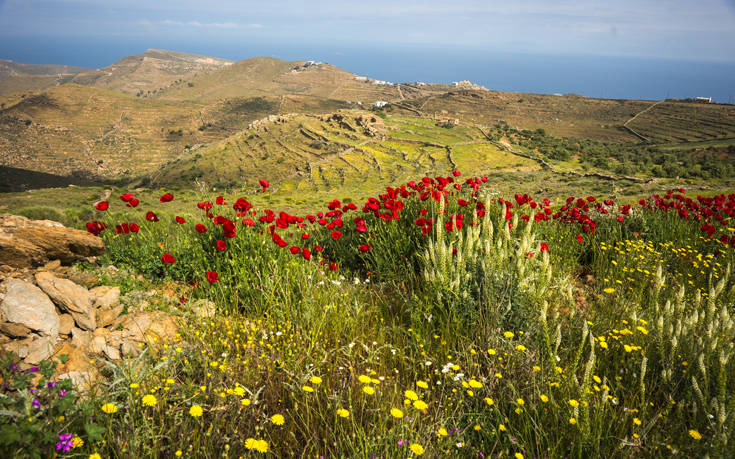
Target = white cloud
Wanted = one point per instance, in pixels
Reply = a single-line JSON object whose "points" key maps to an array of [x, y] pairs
{"points": [[211, 25]]}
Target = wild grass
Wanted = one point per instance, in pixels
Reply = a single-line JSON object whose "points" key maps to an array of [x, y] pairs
{"points": [[499, 338]]}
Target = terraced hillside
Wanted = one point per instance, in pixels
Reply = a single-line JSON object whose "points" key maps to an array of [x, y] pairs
{"points": [[676, 121], [350, 151], [80, 130]]}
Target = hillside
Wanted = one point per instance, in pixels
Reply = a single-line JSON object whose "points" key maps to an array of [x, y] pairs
{"points": [[203, 107], [152, 71], [351, 151], [269, 76], [17, 77]]}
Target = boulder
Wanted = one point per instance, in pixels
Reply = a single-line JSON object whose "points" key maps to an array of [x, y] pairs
{"points": [[70, 297], [26, 243], [26, 305]]}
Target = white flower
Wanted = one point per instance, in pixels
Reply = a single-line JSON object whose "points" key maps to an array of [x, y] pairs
{"points": [[428, 363]]}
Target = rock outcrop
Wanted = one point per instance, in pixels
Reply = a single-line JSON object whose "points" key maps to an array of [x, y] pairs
{"points": [[44, 312], [26, 243]]}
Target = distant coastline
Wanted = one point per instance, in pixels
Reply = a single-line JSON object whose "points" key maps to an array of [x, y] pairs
{"points": [[591, 76]]}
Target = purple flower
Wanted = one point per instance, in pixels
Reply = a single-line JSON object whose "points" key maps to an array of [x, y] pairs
{"points": [[63, 392], [51, 384], [400, 442], [14, 367], [36, 403], [33, 369], [65, 443], [32, 391]]}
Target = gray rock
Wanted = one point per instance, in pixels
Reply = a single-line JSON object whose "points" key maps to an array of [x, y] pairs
{"points": [[70, 297], [105, 296], [128, 348], [85, 321], [80, 338], [112, 352], [66, 324], [98, 344], [39, 349], [27, 305]]}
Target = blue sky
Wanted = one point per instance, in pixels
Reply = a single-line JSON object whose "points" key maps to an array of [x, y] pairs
{"points": [[40, 31]]}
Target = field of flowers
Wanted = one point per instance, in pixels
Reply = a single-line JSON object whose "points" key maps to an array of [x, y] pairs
{"points": [[436, 319]]}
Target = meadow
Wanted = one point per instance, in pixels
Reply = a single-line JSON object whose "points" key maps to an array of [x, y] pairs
{"points": [[439, 318]]}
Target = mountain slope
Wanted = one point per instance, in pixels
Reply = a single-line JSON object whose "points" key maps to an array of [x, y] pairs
{"points": [[17, 77], [265, 75], [148, 72]]}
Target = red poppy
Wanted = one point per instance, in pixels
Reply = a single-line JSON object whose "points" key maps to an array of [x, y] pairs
{"points": [[456, 173], [133, 203], [544, 247], [180, 220], [168, 258], [336, 235], [127, 197], [212, 277], [151, 216], [221, 245], [248, 222], [365, 248], [102, 205], [264, 184], [333, 266], [168, 197], [318, 248], [95, 227], [200, 228], [229, 229], [294, 250], [134, 227], [579, 238], [220, 200], [306, 254]]}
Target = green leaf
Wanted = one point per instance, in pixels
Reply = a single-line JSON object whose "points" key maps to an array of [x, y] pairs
{"points": [[9, 434], [94, 432], [63, 358]]}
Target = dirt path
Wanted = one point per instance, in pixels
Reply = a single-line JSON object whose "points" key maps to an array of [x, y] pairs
{"points": [[637, 134]]}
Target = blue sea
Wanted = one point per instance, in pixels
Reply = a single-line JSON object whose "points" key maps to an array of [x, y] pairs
{"points": [[612, 77]]}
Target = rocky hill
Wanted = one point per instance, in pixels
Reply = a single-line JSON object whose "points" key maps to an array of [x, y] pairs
{"points": [[150, 72]]}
